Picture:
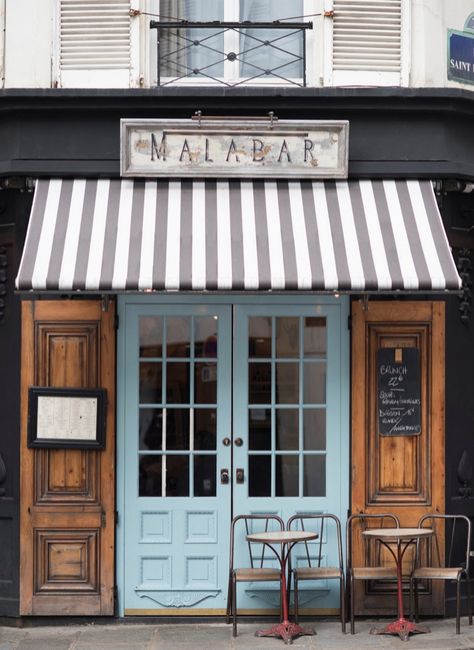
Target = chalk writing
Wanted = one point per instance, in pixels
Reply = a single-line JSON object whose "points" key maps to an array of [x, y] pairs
{"points": [[398, 391]]}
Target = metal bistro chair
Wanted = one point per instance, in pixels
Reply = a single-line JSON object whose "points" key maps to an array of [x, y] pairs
{"points": [[251, 573], [322, 524], [355, 526], [431, 566]]}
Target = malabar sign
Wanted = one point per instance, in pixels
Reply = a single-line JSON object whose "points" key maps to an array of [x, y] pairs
{"points": [[234, 148], [461, 53]]}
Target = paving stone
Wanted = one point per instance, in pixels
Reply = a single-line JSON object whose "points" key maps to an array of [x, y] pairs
{"points": [[218, 636]]}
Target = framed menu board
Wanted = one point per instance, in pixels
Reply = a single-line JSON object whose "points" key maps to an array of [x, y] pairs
{"points": [[398, 391], [66, 417]]}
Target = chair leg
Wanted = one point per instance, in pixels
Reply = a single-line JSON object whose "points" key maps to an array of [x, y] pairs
{"points": [[468, 594], [415, 585], [458, 605], [351, 602], [228, 612], [410, 599], [234, 606], [343, 604]]}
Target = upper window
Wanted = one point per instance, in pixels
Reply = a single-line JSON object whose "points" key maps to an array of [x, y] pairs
{"points": [[233, 52]]}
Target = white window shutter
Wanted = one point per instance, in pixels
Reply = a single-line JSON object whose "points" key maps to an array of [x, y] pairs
{"points": [[367, 41], [94, 43]]}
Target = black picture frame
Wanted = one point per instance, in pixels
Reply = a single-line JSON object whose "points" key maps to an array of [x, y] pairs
{"points": [[90, 415]]}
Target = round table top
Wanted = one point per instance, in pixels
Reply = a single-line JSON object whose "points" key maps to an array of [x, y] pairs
{"points": [[282, 536], [398, 533]]}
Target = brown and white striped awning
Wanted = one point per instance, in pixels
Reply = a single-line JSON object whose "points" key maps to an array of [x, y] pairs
{"points": [[125, 235]]}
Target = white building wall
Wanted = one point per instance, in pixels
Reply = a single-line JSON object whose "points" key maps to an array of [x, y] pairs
{"points": [[28, 55], [431, 21], [29, 46]]}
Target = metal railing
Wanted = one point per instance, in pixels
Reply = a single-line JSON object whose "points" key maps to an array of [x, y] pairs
{"points": [[231, 53]]}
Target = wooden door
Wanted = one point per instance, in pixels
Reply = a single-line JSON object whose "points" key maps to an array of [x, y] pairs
{"points": [[67, 495], [403, 474]]}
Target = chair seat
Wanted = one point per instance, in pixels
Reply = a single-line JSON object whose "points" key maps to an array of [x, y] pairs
{"points": [[256, 575], [315, 573], [440, 573], [373, 572]]}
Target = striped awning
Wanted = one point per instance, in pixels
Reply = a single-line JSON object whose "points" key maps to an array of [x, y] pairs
{"points": [[134, 235]]}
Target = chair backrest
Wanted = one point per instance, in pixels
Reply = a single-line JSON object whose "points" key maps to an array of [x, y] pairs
{"points": [[456, 531], [357, 524], [322, 525], [267, 524]]}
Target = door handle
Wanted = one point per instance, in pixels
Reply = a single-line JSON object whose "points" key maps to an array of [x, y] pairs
{"points": [[239, 475], [224, 476], [238, 442]]}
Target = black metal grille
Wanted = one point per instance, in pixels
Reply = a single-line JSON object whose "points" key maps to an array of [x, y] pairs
{"points": [[231, 54]]}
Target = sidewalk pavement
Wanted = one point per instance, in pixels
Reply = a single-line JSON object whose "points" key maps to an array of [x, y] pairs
{"points": [[217, 636]]}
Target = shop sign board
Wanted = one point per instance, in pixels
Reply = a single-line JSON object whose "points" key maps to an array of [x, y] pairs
{"points": [[233, 148], [461, 53], [398, 391]]}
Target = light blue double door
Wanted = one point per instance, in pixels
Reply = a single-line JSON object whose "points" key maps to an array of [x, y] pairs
{"points": [[225, 409]]}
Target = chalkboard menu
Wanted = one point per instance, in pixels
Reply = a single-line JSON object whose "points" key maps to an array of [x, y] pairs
{"points": [[398, 391]]}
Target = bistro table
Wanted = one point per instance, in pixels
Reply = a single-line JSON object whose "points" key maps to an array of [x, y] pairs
{"points": [[286, 630], [402, 537]]}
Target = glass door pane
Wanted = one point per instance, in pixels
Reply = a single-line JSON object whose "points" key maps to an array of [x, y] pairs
{"points": [[178, 406]]}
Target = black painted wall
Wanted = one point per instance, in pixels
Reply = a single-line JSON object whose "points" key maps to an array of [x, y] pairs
{"points": [[14, 209]]}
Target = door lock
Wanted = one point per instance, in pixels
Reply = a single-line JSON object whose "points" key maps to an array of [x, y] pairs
{"points": [[239, 475], [224, 476]]}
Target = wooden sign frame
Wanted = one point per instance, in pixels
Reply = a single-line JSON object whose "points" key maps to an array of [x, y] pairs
{"points": [[66, 417]]}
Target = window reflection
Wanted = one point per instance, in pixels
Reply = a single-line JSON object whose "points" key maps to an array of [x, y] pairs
{"points": [[205, 336], [314, 429], [314, 380], [205, 383], [177, 429], [178, 336], [178, 386], [260, 429], [287, 429], [151, 336], [205, 421], [314, 476], [150, 389], [177, 476], [149, 476], [260, 336], [314, 336], [287, 476], [287, 383], [260, 383], [287, 336], [260, 476], [150, 429], [205, 476]]}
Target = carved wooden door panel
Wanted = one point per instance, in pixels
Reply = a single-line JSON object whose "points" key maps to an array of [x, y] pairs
{"points": [[67, 495], [403, 474]]}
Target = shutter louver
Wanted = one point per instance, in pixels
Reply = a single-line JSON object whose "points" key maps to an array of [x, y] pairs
{"points": [[94, 34], [367, 35]]}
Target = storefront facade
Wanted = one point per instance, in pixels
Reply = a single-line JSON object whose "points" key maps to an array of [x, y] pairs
{"points": [[233, 385]]}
